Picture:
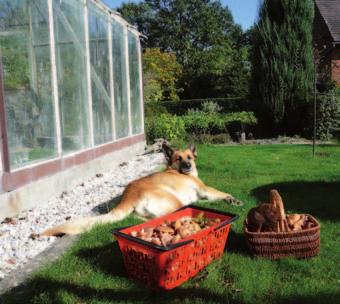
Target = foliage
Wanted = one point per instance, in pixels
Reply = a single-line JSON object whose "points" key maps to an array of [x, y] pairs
{"points": [[209, 120], [197, 122], [245, 118], [232, 104], [15, 63], [207, 43], [154, 109], [282, 63], [210, 106], [169, 127], [205, 121], [92, 271], [161, 74], [328, 114], [215, 139], [207, 125]]}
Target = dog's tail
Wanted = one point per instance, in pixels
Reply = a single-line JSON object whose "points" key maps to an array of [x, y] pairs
{"points": [[84, 224]]}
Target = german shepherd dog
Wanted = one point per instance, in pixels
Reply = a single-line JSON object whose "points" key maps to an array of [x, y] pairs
{"points": [[155, 195]]}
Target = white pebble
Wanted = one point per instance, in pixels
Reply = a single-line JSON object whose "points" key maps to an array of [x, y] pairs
{"points": [[78, 202]]}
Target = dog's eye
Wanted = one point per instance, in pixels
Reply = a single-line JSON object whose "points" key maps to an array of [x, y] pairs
{"points": [[179, 158], [189, 157]]}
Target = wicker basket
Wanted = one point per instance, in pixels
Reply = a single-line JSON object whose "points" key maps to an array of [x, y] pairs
{"points": [[275, 245]]}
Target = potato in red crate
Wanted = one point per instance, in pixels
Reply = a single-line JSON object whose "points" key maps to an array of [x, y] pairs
{"points": [[170, 263]]}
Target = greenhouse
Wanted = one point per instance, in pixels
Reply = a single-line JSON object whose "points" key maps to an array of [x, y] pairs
{"points": [[71, 86]]}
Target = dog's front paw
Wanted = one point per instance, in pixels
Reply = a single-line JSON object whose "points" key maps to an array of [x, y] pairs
{"points": [[233, 201]]}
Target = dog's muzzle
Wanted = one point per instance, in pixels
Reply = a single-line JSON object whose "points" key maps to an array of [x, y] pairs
{"points": [[186, 168]]}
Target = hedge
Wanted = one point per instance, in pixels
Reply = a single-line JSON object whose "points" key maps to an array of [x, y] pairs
{"points": [[232, 104]]}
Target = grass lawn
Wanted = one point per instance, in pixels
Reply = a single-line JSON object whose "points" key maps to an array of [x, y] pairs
{"points": [[92, 270]]}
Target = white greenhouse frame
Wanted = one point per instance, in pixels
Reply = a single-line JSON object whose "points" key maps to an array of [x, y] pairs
{"points": [[16, 177]]}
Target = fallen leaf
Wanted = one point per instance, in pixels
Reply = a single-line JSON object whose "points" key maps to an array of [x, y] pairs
{"points": [[63, 194], [34, 236], [10, 220], [12, 261], [237, 289]]}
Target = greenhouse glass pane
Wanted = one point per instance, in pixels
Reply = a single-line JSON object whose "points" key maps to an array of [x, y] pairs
{"points": [[25, 54], [71, 70], [120, 83], [136, 109], [100, 75]]}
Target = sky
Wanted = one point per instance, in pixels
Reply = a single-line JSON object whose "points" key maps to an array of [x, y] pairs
{"points": [[244, 11]]}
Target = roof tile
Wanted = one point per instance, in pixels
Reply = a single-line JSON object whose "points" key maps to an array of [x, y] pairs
{"points": [[330, 11]]}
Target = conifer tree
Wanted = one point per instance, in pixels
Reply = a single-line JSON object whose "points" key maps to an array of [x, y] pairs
{"points": [[283, 63]]}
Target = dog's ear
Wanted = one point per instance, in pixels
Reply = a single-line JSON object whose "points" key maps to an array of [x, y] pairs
{"points": [[193, 149], [168, 151]]}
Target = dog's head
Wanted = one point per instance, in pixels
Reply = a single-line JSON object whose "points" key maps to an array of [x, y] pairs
{"points": [[181, 160]]}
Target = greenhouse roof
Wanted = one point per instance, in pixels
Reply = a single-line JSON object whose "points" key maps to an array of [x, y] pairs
{"points": [[116, 15]]}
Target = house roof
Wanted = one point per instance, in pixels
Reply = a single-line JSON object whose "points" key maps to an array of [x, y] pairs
{"points": [[330, 11]]}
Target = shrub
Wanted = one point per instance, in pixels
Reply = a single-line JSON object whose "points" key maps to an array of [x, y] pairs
{"points": [[211, 107], [154, 109], [222, 138], [199, 122], [230, 104], [169, 127], [328, 116], [243, 118], [204, 123]]}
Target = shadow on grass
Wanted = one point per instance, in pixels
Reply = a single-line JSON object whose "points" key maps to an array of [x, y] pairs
{"points": [[319, 199], [319, 298], [42, 290], [48, 290], [107, 206], [236, 243], [107, 259]]}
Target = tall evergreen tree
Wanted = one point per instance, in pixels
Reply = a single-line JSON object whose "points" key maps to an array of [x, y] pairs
{"points": [[283, 63]]}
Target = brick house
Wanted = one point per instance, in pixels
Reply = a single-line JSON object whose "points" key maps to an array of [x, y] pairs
{"points": [[326, 39]]}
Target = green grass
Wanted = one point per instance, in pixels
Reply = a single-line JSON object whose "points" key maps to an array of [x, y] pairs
{"points": [[92, 270]]}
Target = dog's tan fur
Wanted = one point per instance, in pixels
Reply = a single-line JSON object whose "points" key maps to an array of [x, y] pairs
{"points": [[154, 195]]}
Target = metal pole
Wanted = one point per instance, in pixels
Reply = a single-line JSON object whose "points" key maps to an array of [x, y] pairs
{"points": [[127, 67], [55, 90], [88, 71], [113, 119], [314, 124], [4, 150]]}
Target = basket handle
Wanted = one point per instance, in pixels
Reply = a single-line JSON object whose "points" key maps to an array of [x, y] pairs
{"points": [[226, 222]]}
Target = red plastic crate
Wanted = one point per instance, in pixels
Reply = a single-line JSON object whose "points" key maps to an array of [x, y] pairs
{"points": [[167, 267]]}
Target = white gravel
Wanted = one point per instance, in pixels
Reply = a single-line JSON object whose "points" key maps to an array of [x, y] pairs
{"points": [[16, 246]]}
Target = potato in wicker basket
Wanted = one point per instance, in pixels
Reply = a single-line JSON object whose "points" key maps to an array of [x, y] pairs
{"points": [[270, 233]]}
